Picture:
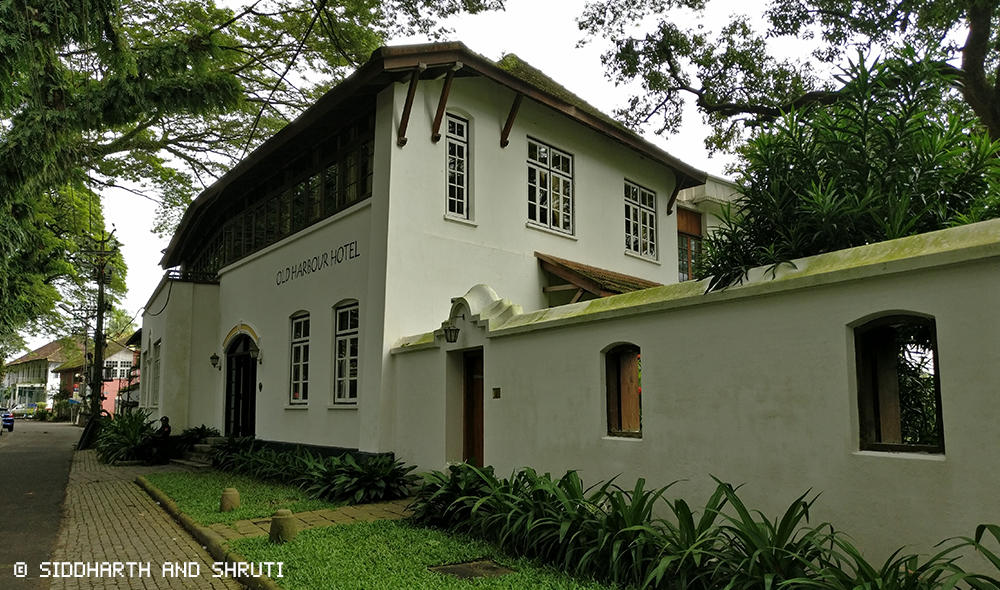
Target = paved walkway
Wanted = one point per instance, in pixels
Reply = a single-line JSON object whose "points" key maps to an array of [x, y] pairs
{"points": [[317, 518], [108, 519]]}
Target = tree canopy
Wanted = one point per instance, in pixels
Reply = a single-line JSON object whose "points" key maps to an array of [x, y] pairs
{"points": [[885, 161], [159, 98], [736, 80]]}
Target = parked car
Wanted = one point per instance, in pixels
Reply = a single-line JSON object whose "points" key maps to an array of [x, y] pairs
{"points": [[7, 419]]}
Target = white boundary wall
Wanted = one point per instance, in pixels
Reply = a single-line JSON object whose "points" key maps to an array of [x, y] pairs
{"points": [[755, 385]]}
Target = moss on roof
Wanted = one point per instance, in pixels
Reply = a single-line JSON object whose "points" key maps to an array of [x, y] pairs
{"points": [[522, 70], [56, 351]]}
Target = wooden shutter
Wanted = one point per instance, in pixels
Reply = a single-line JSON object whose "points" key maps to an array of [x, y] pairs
{"points": [[689, 222]]}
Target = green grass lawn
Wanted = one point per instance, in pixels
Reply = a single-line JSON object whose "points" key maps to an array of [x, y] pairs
{"points": [[393, 554], [198, 494]]}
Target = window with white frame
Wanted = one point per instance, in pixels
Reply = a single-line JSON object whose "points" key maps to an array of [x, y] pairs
{"points": [[299, 393], [640, 220], [154, 388], [550, 187], [110, 370], [457, 153], [346, 349]]}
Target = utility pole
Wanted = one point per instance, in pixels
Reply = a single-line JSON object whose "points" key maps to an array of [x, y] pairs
{"points": [[102, 256]]}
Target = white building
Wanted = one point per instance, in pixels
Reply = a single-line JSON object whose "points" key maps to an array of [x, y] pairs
{"points": [[324, 277], [429, 170], [29, 379]]}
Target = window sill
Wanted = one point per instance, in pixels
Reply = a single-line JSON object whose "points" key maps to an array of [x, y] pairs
{"points": [[353, 406], [913, 455], [460, 220], [632, 254], [297, 406], [549, 230], [627, 437]]}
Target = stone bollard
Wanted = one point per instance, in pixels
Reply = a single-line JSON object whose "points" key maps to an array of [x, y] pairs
{"points": [[284, 526], [230, 500]]}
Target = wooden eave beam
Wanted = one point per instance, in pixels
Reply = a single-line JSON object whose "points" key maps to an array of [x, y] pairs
{"points": [[572, 277], [443, 102], [504, 141], [558, 288], [404, 119]]}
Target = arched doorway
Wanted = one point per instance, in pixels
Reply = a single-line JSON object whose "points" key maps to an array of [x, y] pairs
{"points": [[241, 388]]}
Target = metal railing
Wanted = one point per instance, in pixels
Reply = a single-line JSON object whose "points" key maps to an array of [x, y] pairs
{"points": [[189, 276]]}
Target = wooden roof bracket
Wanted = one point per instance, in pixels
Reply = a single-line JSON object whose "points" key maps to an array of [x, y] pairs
{"points": [[404, 120], [443, 102], [504, 142], [572, 278]]}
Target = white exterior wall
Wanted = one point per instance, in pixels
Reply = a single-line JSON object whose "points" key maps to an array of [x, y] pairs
{"points": [[186, 316], [440, 258], [756, 386], [266, 316]]}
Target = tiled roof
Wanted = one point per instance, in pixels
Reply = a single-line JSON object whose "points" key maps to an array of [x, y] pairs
{"points": [[75, 361], [610, 282], [57, 351]]}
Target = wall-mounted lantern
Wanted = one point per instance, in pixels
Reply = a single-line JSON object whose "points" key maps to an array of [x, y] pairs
{"points": [[451, 330], [215, 361], [255, 353]]}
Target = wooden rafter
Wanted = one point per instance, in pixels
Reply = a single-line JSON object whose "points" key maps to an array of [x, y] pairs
{"points": [[443, 102], [404, 120], [504, 142]]}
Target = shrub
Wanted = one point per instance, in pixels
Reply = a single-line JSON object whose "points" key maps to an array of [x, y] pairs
{"points": [[121, 437], [197, 433], [611, 534], [375, 479], [225, 455], [331, 478], [446, 499]]}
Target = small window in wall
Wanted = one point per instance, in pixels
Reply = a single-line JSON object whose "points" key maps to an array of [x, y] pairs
{"points": [[457, 154], [624, 391], [688, 243], [346, 349], [899, 393], [299, 393], [640, 220]]}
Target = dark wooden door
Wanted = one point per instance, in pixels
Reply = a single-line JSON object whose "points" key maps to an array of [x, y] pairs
{"points": [[241, 389], [473, 424]]}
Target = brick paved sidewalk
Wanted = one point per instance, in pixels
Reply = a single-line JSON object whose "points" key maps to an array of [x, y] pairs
{"points": [[258, 527], [108, 518]]}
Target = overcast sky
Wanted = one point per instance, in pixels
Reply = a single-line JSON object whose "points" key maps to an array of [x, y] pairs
{"points": [[543, 33]]}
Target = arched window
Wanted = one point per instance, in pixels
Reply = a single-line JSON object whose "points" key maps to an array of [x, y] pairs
{"points": [[899, 392], [624, 389]]}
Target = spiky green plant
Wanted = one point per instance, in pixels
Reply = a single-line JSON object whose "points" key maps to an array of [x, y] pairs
{"points": [[122, 437]]}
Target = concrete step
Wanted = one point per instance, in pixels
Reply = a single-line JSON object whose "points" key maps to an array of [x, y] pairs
{"points": [[197, 456], [201, 448], [192, 465], [215, 440]]}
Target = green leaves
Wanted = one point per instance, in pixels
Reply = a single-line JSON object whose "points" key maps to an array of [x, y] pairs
{"points": [[121, 437], [619, 536], [737, 78], [333, 478], [886, 160]]}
